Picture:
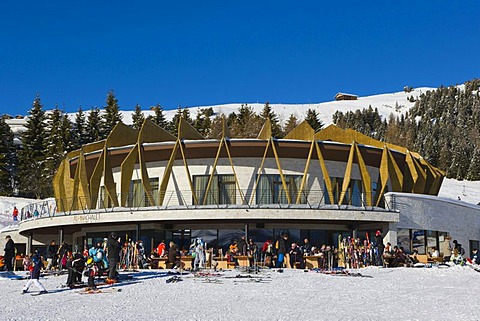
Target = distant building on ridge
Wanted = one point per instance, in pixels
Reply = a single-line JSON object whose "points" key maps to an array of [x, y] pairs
{"points": [[344, 96]]}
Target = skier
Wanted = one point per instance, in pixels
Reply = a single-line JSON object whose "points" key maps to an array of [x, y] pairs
{"points": [[9, 253], [35, 275], [113, 249], [92, 271]]}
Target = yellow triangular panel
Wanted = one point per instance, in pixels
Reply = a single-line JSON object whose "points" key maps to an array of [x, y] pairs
{"points": [[266, 131], [302, 132], [187, 131], [121, 135], [152, 133]]}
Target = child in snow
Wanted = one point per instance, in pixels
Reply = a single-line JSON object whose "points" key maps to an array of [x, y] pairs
{"points": [[35, 275], [27, 262]]}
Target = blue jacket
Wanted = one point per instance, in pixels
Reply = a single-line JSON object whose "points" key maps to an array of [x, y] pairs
{"points": [[35, 274]]}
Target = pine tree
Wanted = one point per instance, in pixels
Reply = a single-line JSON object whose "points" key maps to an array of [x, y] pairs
{"points": [[79, 132], [66, 132], [473, 173], [94, 123], [290, 125], [158, 116], [8, 159], [313, 120], [203, 122], [173, 124], [268, 113], [54, 147], [112, 114], [247, 124], [137, 117], [32, 154]]}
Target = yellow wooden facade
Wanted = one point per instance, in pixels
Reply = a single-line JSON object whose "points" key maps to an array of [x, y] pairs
{"points": [[80, 190]]}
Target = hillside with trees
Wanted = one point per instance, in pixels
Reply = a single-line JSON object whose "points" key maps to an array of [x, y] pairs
{"points": [[443, 126]]}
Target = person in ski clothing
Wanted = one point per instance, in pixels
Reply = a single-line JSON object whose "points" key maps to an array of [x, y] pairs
{"points": [[75, 266], [92, 272], [456, 257], [62, 255], [50, 254], [15, 213], [242, 246], [296, 256], [379, 248], [113, 249], [173, 255], [27, 262], [35, 275], [281, 247], [267, 252], [306, 247], [99, 257], [141, 260], [9, 253], [475, 256], [161, 249], [199, 254]]}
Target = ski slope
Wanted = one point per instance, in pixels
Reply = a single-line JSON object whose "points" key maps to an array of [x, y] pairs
{"points": [[383, 294], [387, 104]]}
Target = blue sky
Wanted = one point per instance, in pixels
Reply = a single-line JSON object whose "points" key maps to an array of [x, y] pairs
{"points": [[194, 53]]}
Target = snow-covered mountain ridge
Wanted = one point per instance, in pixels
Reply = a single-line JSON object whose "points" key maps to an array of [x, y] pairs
{"points": [[390, 103]]}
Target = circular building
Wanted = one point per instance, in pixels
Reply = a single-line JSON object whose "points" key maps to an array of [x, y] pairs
{"points": [[152, 186]]}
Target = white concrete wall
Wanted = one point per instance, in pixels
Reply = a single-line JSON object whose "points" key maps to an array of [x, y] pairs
{"points": [[461, 220]]}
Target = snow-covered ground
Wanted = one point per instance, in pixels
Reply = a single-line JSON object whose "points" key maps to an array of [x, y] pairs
{"points": [[386, 294]]}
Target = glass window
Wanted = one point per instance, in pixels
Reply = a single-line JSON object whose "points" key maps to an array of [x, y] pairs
{"points": [[443, 243], [138, 196], [353, 194], [222, 189], [105, 201], [270, 189], [431, 241], [418, 241], [403, 239]]}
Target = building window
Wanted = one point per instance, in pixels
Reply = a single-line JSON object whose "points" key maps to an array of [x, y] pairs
{"points": [[105, 201], [353, 194], [270, 189], [222, 189], [137, 196]]}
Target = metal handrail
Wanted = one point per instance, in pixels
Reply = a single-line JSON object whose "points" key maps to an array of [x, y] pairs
{"points": [[179, 199]]}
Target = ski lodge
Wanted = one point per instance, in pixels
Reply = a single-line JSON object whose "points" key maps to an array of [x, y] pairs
{"points": [[152, 186], [344, 96]]}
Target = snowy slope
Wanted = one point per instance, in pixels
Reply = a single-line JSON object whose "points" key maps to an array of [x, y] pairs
{"points": [[385, 103], [386, 294]]}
